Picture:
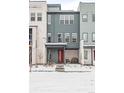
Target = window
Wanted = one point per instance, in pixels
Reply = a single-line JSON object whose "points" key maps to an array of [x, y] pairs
{"points": [[85, 54], [32, 16], [39, 16], [49, 19], [30, 36], [85, 37], [71, 19], [49, 37], [93, 37], [93, 17], [84, 18], [61, 19], [66, 19], [67, 37], [74, 37], [60, 37]]}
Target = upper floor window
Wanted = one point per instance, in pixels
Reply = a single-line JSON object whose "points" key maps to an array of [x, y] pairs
{"points": [[67, 37], [74, 37], [85, 37], [32, 17], [49, 19], [39, 16], [66, 19], [60, 37], [62, 18], [93, 17], [30, 36], [93, 37], [71, 19], [49, 37], [84, 17]]}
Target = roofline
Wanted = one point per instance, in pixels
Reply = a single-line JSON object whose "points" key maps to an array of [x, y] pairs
{"points": [[52, 12], [88, 2], [37, 1]]}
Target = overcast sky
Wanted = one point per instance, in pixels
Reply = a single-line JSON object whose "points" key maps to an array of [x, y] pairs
{"points": [[66, 4]]}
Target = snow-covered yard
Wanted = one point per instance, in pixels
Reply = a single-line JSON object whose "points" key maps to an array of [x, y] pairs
{"points": [[62, 82]]}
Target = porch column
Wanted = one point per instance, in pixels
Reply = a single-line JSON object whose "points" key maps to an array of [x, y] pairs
{"points": [[64, 56], [81, 52]]}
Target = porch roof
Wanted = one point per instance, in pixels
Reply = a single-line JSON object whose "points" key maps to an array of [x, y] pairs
{"points": [[55, 44]]}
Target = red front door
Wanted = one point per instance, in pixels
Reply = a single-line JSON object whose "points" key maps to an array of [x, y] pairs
{"points": [[60, 56]]}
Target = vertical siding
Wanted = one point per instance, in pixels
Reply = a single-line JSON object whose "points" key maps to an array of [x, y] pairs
{"points": [[55, 28]]}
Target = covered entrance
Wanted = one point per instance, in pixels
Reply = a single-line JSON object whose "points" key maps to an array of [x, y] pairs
{"points": [[55, 53]]}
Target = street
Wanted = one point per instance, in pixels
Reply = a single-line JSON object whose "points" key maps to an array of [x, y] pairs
{"points": [[62, 82]]}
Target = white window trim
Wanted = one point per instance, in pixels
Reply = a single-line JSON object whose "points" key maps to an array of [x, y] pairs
{"points": [[72, 37], [67, 34], [69, 17]]}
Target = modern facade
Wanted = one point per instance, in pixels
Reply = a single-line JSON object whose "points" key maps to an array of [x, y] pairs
{"points": [[87, 31], [57, 34], [37, 32], [62, 35]]}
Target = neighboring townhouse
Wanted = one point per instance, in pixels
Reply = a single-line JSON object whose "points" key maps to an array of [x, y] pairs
{"points": [[37, 32], [87, 31], [62, 35]]}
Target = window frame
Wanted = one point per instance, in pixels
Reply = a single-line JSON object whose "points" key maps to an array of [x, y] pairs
{"points": [[74, 38], [32, 16], [93, 17], [85, 33], [93, 36], [84, 19], [60, 37], [66, 35], [66, 19], [49, 35], [39, 16]]}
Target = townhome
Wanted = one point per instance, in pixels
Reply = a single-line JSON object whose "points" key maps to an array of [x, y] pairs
{"points": [[37, 32], [87, 31], [62, 35]]}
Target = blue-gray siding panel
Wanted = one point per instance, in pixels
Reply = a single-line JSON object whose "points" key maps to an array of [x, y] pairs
{"points": [[56, 28]]}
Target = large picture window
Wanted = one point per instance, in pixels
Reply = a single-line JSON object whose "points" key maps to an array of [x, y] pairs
{"points": [[66, 19]]}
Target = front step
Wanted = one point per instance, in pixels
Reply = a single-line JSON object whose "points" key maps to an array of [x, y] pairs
{"points": [[60, 68]]}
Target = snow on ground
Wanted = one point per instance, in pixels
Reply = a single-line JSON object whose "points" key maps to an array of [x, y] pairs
{"points": [[62, 82]]}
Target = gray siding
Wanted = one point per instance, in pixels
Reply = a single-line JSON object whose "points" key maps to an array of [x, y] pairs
{"points": [[55, 27], [87, 27]]}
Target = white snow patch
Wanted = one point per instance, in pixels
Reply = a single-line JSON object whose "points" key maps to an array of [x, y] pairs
{"points": [[61, 82]]}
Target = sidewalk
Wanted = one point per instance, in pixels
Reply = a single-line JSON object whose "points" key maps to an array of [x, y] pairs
{"points": [[67, 68]]}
